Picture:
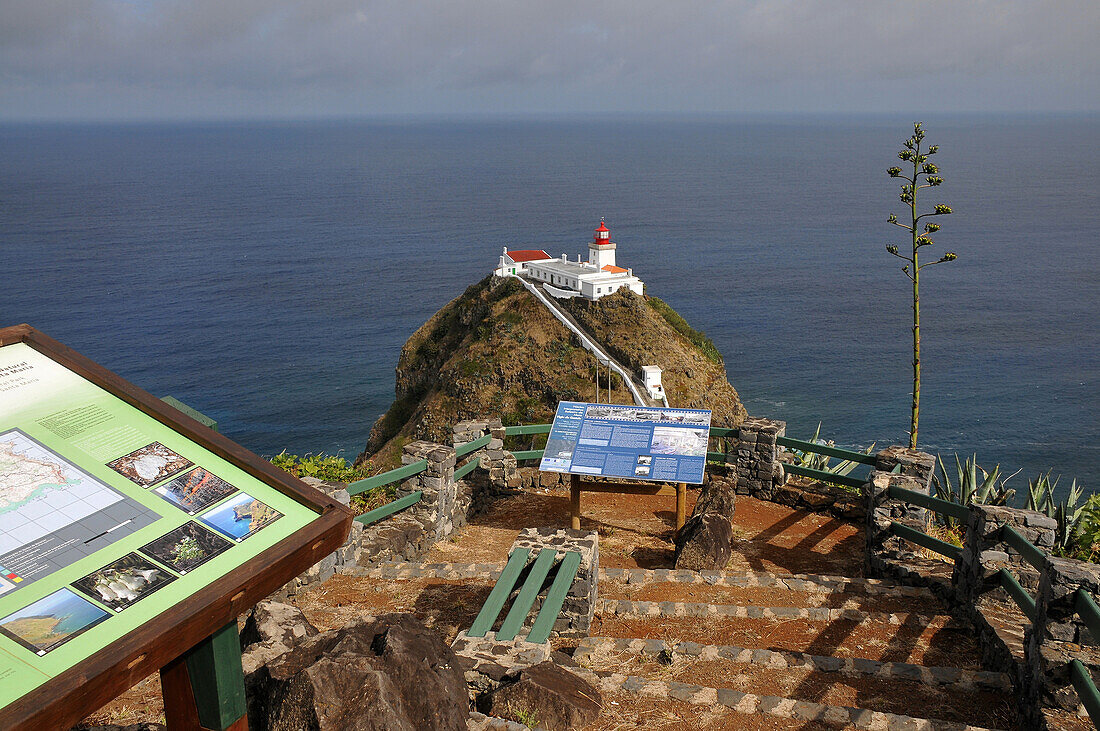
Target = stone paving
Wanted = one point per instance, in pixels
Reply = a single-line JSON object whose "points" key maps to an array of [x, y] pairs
{"points": [[744, 579], [627, 608], [946, 677], [749, 703]]}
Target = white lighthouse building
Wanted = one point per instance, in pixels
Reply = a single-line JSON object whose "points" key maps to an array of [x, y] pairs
{"points": [[592, 279]]}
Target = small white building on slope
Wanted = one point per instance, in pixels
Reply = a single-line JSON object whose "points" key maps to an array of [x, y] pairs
{"points": [[592, 279]]}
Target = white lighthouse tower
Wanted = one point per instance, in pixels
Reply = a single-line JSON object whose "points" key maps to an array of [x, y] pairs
{"points": [[601, 249]]}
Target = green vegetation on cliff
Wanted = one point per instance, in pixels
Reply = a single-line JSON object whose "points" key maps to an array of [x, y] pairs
{"points": [[680, 325], [496, 351]]}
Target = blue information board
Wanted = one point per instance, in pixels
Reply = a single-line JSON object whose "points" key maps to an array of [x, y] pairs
{"points": [[638, 442]]}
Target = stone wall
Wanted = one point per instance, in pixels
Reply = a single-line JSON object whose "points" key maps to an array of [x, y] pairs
{"points": [[754, 457], [580, 603]]}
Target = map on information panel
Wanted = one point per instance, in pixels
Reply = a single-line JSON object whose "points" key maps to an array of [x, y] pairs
{"points": [[53, 514]]}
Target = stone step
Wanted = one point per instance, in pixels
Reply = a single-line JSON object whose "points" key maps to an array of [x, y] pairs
{"points": [[628, 608], [787, 708], [592, 648], [742, 579], [748, 579]]}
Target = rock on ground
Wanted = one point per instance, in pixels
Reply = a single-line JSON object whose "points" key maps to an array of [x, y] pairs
{"points": [[547, 696], [719, 495], [389, 673], [705, 543], [274, 622]]}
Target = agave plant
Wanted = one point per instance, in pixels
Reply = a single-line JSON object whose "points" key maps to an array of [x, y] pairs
{"points": [[988, 490], [1069, 512], [823, 462]]}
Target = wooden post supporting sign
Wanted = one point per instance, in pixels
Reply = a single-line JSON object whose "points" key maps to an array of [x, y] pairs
{"points": [[577, 485]]}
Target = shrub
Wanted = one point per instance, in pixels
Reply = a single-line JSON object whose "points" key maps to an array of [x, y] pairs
{"points": [[322, 466]]}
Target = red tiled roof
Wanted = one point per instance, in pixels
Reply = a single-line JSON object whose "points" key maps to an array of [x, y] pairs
{"points": [[523, 255], [613, 269]]}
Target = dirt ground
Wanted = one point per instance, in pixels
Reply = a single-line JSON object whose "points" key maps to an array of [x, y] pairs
{"points": [[635, 532]]}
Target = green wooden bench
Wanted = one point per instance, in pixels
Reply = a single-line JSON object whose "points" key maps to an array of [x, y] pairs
{"points": [[534, 576]]}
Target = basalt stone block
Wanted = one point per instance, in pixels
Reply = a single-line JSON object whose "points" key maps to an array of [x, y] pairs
{"points": [[385, 673], [719, 495], [705, 543], [558, 698]]}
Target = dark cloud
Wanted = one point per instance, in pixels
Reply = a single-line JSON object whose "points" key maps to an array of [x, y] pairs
{"points": [[275, 57]]}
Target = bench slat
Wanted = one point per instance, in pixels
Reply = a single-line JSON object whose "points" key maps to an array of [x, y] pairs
{"points": [[500, 593], [551, 606], [517, 615]]}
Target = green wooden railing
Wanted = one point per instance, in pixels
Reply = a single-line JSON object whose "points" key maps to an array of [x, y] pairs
{"points": [[1029, 552], [467, 468], [923, 539], [1019, 594], [521, 429], [1086, 689], [373, 516], [1084, 604], [823, 475], [839, 453], [935, 504], [388, 478], [463, 449]]}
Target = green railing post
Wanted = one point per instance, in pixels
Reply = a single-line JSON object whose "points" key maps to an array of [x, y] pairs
{"points": [[198, 416]]}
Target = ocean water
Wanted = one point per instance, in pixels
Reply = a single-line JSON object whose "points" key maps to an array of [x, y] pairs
{"points": [[268, 274]]}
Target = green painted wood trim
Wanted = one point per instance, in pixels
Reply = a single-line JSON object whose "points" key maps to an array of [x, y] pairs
{"points": [[466, 469], [1019, 595], [1090, 613], [1031, 553], [825, 449], [463, 449], [373, 516], [217, 678], [527, 429], [1081, 678], [896, 470], [529, 454], [923, 539], [386, 478], [719, 457], [521, 607], [198, 416], [500, 593], [555, 598], [720, 432], [943, 507], [824, 476]]}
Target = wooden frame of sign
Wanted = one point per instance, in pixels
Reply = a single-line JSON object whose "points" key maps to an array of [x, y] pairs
{"points": [[577, 486], [186, 629]]}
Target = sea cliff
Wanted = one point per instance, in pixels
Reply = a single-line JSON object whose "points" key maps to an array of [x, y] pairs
{"points": [[496, 351]]}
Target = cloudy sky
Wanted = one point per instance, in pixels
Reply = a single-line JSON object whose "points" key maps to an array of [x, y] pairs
{"points": [[96, 59]]}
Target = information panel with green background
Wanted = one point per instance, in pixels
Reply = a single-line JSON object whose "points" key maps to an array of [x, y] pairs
{"points": [[108, 518]]}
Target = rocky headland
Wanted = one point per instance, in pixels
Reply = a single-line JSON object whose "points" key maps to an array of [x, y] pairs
{"points": [[497, 351]]}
